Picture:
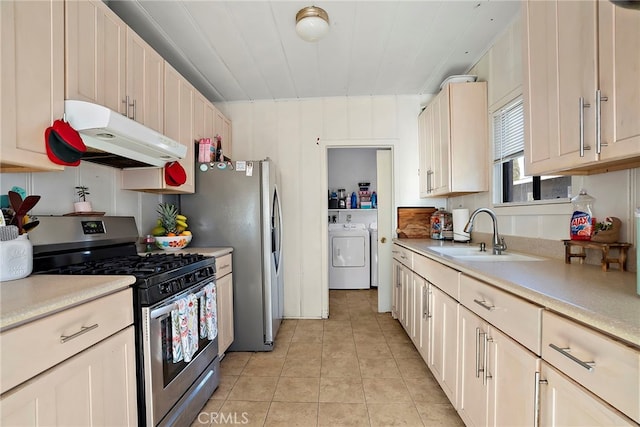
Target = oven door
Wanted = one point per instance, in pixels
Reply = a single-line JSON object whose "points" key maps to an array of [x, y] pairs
{"points": [[166, 381]]}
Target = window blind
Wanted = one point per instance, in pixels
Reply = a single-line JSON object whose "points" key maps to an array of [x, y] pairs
{"points": [[508, 131]]}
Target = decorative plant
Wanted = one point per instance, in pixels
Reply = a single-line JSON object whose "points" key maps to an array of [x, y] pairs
{"points": [[82, 192]]}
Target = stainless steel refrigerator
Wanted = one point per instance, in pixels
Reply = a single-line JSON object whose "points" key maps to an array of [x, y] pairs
{"points": [[237, 204]]}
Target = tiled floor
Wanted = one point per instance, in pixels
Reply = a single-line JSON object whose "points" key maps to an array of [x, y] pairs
{"points": [[357, 368]]}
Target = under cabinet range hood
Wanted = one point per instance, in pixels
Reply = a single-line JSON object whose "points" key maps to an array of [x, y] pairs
{"points": [[113, 139]]}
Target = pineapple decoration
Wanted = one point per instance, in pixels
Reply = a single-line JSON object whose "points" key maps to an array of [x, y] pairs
{"points": [[170, 222]]}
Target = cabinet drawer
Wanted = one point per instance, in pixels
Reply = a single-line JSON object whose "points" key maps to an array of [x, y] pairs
{"points": [[519, 319], [30, 349], [223, 265], [447, 279], [602, 365], [403, 256]]}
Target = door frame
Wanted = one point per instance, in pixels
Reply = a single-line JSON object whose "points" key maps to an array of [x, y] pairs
{"points": [[382, 144]]}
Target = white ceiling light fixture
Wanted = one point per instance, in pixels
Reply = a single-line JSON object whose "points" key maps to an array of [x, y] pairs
{"points": [[312, 23]]}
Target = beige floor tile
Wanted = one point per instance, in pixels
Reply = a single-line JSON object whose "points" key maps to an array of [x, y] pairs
{"points": [[343, 415], [234, 362], [394, 339], [263, 366], [280, 349], [413, 368], [246, 413], [226, 384], [404, 351], [297, 390], [425, 390], [338, 348], [290, 414], [306, 337], [253, 388], [371, 350], [341, 390], [337, 325], [385, 390], [378, 368], [393, 414], [343, 367], [364, 321], [305, 350], [439, 415], [339, 315], [341, 336], [284, 336], [366, 336], [301, 368], [288, 324]]}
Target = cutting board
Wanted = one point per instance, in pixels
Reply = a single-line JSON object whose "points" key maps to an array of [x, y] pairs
{"points": [[414, 222]]}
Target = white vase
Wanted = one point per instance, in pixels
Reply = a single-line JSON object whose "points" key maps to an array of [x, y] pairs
{"points": [[16, 258], [82, 207]]}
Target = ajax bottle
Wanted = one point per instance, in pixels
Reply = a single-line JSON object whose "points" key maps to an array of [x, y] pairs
{"points": [[582, 220]]}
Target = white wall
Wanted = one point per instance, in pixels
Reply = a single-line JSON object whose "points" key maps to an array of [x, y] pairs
{"points": [[58, 193], [349, 166], [296, 134]]}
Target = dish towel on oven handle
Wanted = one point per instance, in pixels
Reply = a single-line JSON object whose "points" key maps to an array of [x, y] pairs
{"points": [[184, 331], [209, 312]]}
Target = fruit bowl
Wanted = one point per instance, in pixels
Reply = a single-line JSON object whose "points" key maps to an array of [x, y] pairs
{"points": [[172, 243]]}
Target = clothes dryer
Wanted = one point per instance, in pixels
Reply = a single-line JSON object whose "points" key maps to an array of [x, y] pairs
{"points": [[349, 256]]}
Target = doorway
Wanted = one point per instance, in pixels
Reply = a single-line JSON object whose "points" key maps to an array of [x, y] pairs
{"points": [[347, 167]]}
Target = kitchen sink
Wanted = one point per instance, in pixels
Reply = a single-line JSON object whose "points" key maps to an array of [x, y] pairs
{"points": [[470, 253]]}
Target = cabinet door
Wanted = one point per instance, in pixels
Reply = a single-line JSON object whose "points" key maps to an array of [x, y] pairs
{"points": [[396, 295], [441, 134], [95, 54], [417, 310], [511, 382], [95, 387], [565, 403], [619, 50], [224, 301], [145, 76], [32, 81], [423, 316], [178, 94], [407, 300], [473, 396], [424, 150], [560, 68], [222, 127], [444, 342]]}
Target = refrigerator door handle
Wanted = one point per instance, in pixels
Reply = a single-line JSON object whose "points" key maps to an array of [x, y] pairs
{"points": [[277, 197]]}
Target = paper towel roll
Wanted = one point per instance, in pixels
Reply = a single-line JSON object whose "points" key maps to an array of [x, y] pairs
{"points": [[460, 219]]}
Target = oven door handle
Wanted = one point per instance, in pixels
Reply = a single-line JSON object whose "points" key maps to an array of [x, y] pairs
{"points": [[166, 309]]}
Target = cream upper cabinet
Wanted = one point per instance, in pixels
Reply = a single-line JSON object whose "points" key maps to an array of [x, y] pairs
{"points": [[454, 141], [619, 51], [223, 128], [145, 77], [178, 122], [224, 301], [32, 81], [95, 54], [580, 88]]}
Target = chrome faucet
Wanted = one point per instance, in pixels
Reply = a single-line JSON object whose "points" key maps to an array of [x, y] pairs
{"points": [[498, 242]]}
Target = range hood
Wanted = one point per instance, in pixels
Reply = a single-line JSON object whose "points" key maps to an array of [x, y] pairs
{"points": [[113, 139]]}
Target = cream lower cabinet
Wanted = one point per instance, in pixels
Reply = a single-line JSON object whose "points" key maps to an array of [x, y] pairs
{"points": [[402, 264], [95, 387], [32, 81], [224, 302], [443, 360], [565, 403], [497, 376]]}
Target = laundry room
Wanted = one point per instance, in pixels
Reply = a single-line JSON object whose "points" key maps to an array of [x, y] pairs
{"points": [[352, 215]]}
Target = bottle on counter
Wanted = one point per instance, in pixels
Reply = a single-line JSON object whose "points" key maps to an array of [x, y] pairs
{"points": [[374, 200], [436, 226], [582, 221], [354, 200]]}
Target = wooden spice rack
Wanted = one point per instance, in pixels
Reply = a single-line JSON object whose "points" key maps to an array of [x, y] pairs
{"points": [[582, 245]]}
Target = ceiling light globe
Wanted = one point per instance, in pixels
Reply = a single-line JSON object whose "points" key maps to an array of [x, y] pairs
{"points": [[312, 23]]}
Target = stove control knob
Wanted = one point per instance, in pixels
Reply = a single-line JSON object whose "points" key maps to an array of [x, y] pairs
{"points": [[165, 288]]}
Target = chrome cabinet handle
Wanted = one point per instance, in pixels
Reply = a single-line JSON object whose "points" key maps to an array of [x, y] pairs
{"points": [[125, 101], [484, 305], [583, 105], [477, 352], [599, 143], [589, 366], [134, 109], [485, 359], [83, 330]]}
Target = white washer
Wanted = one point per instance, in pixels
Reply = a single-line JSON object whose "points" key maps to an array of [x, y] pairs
{"points": [[349, 256], [373, 231]]}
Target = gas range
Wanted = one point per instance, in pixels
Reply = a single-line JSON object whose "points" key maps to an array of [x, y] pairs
{"points": [[169, 392]]}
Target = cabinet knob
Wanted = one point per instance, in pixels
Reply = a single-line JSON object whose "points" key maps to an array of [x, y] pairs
{"points": [[383, 240]]}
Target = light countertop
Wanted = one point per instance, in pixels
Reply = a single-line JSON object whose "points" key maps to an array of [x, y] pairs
{"points": [[603, 300], [40, 295]]}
